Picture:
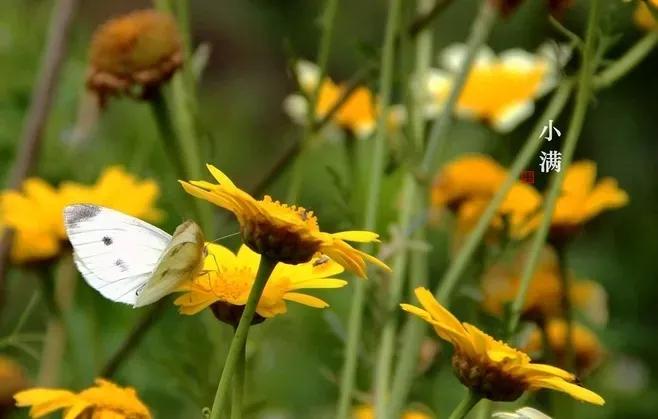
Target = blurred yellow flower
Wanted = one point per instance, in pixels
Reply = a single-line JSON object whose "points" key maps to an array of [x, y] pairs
{"points": [[283, 233], [643, 16], [228, 279], [103, 401], [500, 284], [358, 114], [467, 184], [35, 212], [141, 49], [367, 411], [581, 200], [489, 367], [587, 350], [12, 380], [500, 90]]}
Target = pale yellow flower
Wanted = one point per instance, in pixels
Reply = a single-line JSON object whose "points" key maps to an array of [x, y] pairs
{"points": [[500, 90], [103, 401], [283, 233], [491, 368], [228, 278]]}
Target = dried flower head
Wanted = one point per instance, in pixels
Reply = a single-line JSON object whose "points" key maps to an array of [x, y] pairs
{"points": [[132, 54], [489, 367]]}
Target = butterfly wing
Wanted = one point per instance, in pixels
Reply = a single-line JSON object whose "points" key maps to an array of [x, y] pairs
{"points": [[181, 260], [115, 253]]}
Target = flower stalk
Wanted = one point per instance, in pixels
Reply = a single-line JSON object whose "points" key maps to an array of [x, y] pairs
{"points": [[348, 373], [238, 385], [574, 130], [239, 340], [465, 406]]}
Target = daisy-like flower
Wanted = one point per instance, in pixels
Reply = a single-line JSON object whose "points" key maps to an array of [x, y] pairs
{"points": [[500, 285], [491, 368], [500, 90], [522, 413], [35, 212], [280, 232], [227, 280], [357, 115], [581, 199], [643, 16], [467, 184], [12, 380], [133, 53], [367, 411], [103, 401], [587, 350]]}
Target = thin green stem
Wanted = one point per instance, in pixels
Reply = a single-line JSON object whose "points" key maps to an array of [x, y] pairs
{"points": [[480, 31], [465, 406], [238, 385], [574, 130], [567, 308], [348, 374], [409, 199], [240, 338], [626, 62], [327, 22]]}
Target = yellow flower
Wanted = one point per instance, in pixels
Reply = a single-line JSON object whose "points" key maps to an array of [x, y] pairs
{"points": [[581, 200], [228, 278], [466, 186], [643, 16], [12, 380], [367, 411], [500, 284], [139, 50], [35, 212], [103, 401], [500, 90], [358, 114], [586, 347], [283, 233], [489, 367]]}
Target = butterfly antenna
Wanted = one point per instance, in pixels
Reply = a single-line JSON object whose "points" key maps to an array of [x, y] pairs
{"points": [[225, 237]]}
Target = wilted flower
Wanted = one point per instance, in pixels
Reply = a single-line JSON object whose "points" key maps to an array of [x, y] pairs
{"points": [[134, 53], [103, 401], [500, 90], [581, 199], [227, 279], [587, 350], [500, 285], [283, 233], [358, 114], [367, 411], [643, 16], [491, 368], [35, 212]]}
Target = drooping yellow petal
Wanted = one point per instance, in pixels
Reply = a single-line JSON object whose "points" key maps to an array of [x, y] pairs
{"points": [[575, 391], [307, 300]]}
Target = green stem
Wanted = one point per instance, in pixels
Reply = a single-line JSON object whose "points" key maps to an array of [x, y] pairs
{"points": [[240, 338], [327, 22], [238, 385], [626, 62], [573, 133], [465, 405], [567, 308], [348, 374], [480, 31], [409, 198]]}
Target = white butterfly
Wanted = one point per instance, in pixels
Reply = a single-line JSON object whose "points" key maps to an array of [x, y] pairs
{"points": [[128, 260]]}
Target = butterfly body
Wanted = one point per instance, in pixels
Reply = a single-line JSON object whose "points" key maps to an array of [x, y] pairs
{"points": [[128, 260]]}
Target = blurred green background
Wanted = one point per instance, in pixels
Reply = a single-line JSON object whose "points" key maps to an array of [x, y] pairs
{"points": [[294, 358]]}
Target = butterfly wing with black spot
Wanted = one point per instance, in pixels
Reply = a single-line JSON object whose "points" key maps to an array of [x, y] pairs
{"points": [[115, 253]]}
